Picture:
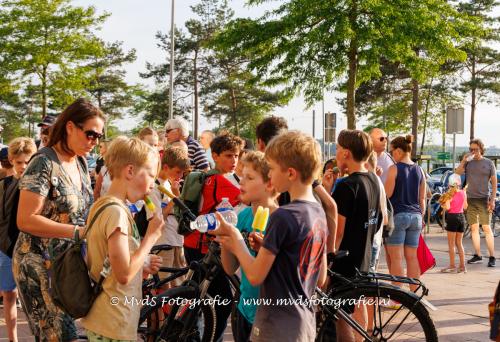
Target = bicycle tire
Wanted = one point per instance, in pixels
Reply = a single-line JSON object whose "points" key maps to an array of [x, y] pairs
{"points": [[389, 292], [176, 333], [495, 225]]}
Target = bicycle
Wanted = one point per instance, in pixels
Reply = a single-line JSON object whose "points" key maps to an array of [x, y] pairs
{"points": [[406, 320], [190, 317]]}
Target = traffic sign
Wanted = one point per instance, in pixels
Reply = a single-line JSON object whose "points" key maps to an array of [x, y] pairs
{"points": [[443, 155]]}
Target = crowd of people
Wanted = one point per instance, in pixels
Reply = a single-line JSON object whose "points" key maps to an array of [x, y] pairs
{"points": [[316, 208]]}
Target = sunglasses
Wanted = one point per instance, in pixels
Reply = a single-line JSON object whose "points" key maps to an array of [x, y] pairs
{"points": [[473, 149], [382, 139], [90, 134], [169, 130]]}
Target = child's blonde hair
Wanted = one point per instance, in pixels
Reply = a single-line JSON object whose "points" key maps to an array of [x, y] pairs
{"points": [[147, 131], [175, 157], [372, 160], [20, 146], [124, 151], [296, 150], [257, 160]]}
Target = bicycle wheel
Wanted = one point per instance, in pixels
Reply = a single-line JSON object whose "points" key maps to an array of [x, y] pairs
{"points": [[398, 316], [195, 324]]}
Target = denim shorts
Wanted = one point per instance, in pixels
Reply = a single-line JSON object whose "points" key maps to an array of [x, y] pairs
{"points": [[407, 228], [6, 277]]}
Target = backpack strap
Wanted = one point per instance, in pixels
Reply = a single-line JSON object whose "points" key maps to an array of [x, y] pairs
{"points": [[106, 266], [94, 218], [50, 153]]}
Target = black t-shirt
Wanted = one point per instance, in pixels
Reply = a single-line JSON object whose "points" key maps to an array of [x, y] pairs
{"points": [[296, 234], [358, 200]]}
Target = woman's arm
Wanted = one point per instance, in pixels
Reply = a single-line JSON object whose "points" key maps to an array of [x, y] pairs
{"points": [[465, 201], [422, 195], [30, 221], [390, 182]]}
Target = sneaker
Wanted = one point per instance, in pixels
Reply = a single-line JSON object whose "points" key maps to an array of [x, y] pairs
{"points": [[476, 259], [491, 262]]}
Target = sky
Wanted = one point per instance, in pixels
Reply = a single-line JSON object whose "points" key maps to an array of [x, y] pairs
{"points": [[135, 23]]}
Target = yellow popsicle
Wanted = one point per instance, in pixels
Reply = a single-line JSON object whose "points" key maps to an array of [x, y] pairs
{"points": [[260, 219], [149, 203]]}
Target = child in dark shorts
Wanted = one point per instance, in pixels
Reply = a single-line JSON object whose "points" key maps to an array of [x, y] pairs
{"points": [[455, 224]]}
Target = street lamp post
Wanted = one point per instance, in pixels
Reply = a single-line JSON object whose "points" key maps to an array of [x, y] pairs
{"points": [[171, 102]]}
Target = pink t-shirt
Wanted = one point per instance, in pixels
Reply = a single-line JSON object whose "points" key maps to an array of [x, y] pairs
{"points": [[457, 203]]}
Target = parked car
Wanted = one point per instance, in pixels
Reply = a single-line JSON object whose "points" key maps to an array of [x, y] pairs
{"points": [[437, 173]]}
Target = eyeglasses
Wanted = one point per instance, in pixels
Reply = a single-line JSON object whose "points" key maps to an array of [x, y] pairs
{"points": [[382, 139], [90, 134], [473, 149]]}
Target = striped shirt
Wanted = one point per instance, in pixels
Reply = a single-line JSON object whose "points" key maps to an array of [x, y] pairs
{"points": [[196, 154]]}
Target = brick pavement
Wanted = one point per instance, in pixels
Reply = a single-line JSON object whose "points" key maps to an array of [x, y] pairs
{"points": [[461, 299]]}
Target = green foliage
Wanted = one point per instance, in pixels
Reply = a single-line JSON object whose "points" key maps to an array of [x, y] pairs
{"points": [[47, 40], [309, 46]]}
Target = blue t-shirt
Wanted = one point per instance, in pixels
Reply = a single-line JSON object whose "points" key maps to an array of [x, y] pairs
{"points": [[296, 235], [249, 293]]}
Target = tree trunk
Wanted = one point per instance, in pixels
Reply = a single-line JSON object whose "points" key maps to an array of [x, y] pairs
{"points": [[353, 69], [235, 117], [426, 113], [196, 99], [473, 98], [44, 91], [414, 116]]}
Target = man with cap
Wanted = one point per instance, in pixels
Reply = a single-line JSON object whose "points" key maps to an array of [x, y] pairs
{"points": [[178, 129], [7, 169], [45, 124]]}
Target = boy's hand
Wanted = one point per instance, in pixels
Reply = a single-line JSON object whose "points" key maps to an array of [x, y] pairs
{"points": [[155, 226], [176, 188], [227, 235], [255, 239], [154, 265], [327, 181]]}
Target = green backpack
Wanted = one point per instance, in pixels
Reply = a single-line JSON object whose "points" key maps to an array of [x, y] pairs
{"points": [[191, 196]]}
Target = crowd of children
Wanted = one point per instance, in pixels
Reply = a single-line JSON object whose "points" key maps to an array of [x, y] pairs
{"points": [[345, 211]]}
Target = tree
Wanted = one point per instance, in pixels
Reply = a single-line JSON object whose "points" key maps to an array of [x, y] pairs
{"points": [[309, 45], [107, 83], [49, 38], [483, 60], [236, 99]]}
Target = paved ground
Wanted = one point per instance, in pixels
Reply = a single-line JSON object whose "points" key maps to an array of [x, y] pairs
{"points": [[461, 299]]}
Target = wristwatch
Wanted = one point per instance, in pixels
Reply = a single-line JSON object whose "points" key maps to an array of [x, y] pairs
{"points": [[315, 183]]}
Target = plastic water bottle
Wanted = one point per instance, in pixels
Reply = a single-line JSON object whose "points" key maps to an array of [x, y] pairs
{"points": [[208, 222]]}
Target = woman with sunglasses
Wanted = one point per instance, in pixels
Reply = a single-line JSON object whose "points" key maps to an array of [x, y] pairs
{"points": [[53, 207]]}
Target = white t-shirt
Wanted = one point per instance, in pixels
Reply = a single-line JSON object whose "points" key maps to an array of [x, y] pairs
{"points": [[384, 161], [106, 180], [169, 234]]}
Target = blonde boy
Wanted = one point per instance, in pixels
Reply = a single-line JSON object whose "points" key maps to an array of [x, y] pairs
{"points": [[133, 166], [19, 153], [256, 189], [292, 259]]}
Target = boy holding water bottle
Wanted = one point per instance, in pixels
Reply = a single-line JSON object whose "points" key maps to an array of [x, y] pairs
{"points": [[257, 190], [292, 258]]}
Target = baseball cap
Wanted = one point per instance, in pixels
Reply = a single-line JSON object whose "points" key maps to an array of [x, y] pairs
{"points": [[48, 120]]}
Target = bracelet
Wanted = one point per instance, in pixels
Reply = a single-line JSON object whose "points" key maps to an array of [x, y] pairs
{"points": [[76, 232], [315, 183]]}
